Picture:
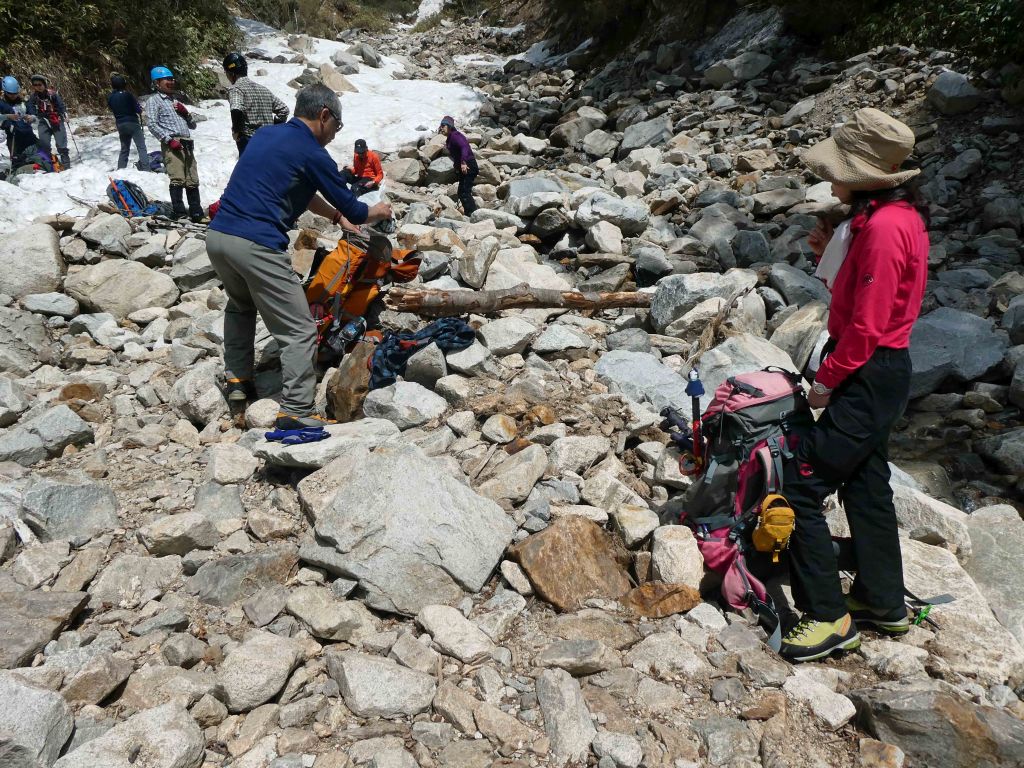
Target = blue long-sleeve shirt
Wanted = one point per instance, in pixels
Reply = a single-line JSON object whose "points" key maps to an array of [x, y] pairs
{"points": [[124, 106], [16, 129], [282, 167]]}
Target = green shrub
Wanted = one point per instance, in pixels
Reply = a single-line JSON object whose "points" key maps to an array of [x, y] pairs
{"points": [[80, 44], [991, 31]]}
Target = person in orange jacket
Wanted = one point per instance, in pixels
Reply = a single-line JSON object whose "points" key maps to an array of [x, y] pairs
{"points": [[365, 174]]}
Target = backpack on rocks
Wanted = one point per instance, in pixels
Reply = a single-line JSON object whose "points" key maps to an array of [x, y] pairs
{"points": [[131, 201], [343, 284], [736, 505]]}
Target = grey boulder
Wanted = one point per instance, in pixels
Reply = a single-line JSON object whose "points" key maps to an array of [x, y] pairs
{"points": [[30, 261], [34, 719], [950, 343], [76, 510], [162, 737], [953, 94], [120, 287]]}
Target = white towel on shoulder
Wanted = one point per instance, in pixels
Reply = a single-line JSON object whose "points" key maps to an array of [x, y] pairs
{"points": [[835, 254]]}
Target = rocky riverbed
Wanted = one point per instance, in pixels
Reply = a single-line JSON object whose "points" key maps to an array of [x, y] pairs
{"points": [[477, 572]]}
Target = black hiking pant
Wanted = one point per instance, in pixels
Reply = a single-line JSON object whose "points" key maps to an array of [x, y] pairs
{"points": [[357, 185], [846, 450], [466, 186]]}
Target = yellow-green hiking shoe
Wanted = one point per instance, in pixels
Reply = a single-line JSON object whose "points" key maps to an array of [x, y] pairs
{"points": [[894, 621], [810, 639]]}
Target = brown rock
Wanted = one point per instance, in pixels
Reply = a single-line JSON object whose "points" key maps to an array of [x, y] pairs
{"points": [[542, 414], [81, 391], [771, 704], [656, 600], [29, 620], [878, 754], [348, 386], [572, 560], [755, 160], [302, 260]]}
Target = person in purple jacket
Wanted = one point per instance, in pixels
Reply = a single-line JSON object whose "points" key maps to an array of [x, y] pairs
{"points": [[465, 163]]}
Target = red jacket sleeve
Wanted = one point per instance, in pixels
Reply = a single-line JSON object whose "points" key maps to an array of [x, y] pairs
{"points": [[375, 167], [878, 257]]}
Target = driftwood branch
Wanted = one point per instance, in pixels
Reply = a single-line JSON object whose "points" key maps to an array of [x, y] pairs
{"points": [[450, 303]]}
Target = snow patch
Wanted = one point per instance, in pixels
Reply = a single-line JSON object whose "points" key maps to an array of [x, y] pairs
{"points": [[387, 111], [542, 54]]}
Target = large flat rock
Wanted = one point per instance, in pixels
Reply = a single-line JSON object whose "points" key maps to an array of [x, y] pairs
{"points": [[997, 541], [406, 529], [970, 640]]}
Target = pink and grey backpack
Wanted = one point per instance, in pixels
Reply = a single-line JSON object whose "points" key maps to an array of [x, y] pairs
{"points": [[752, 426]]}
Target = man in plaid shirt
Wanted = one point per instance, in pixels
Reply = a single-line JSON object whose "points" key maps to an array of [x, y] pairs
{"points": [[252, 105], [170, 122]]}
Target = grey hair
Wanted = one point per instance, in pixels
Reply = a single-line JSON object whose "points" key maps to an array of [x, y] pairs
{"points": [[311, 99]]}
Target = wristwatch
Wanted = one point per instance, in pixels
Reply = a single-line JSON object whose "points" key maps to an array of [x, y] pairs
{"points": [[820, 389]]}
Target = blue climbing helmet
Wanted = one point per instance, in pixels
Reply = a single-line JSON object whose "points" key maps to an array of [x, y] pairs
{"points": [[160, 73], [11, 84]]}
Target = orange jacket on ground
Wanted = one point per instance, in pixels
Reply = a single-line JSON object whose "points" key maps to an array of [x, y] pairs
{"points": [[368, 167]]}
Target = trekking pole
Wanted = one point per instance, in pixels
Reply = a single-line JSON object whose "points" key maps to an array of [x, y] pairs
{"points": [[73, 140], [695, 389]]}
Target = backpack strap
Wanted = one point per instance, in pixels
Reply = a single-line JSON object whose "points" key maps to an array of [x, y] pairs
{"points": [[767, 615], [742, 386]]}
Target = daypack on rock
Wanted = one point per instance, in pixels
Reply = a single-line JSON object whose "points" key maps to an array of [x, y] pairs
{"points": [[751, 427], [343, 283], [130, 200]]}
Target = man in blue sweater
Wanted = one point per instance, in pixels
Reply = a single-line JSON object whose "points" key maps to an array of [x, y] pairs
{"points": [[276, 179]]}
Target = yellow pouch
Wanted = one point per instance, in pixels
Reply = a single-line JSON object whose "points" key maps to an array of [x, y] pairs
{"points": [[774, 525]]}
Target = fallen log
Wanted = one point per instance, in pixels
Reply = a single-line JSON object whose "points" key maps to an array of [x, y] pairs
{"points": [[448, 303]]}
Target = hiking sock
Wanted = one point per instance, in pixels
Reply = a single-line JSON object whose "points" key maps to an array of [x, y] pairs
{"points": [[178, 202]]}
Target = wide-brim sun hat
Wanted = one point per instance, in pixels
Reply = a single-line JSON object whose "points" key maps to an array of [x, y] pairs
{"points": [[865, 153]]}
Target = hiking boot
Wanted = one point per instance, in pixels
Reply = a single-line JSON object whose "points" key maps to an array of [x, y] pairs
{"points": [[240, 390], [196, 214], [811, 639], [894, 621], [287, 421]]}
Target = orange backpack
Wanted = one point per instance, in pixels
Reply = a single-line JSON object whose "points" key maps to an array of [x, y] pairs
{"points": [[343, 283]]}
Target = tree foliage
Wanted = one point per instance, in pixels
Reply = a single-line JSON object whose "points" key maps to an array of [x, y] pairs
{"points": [[992, 31], [79, 44], [325, 18]]}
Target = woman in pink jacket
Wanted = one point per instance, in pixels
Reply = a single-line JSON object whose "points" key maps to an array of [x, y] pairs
{"points": [[876, 265]]}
